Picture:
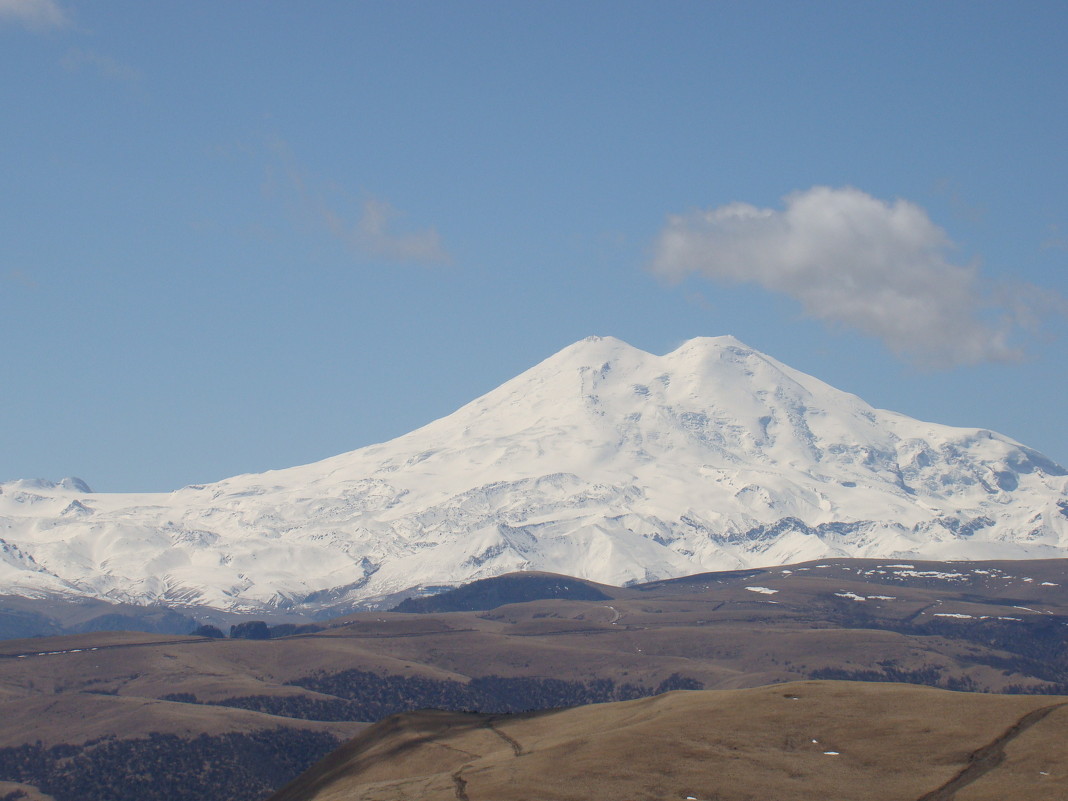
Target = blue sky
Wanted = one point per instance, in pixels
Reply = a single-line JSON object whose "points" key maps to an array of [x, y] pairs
{"points": [[240, 236]]}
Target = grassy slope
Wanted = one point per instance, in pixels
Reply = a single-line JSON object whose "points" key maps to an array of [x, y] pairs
{"points": [[712, 629], [892, 742]]}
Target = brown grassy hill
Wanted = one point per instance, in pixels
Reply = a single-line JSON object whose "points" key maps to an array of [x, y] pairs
{"points": [[22, 792], [984, 626], [808, 740]]}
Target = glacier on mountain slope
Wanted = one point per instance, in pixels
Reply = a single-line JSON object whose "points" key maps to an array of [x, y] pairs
{"points": [[603, 462]]}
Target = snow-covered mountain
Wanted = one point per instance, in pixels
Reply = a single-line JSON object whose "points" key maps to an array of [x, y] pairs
{"points": [[603, 462]]}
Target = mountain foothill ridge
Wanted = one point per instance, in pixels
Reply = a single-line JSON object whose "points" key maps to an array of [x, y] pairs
{"points": [[603, 462]]}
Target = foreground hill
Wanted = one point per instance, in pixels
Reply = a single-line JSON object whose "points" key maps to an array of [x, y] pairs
{"points": [[603, 462], [799, 741], [116, 716]]}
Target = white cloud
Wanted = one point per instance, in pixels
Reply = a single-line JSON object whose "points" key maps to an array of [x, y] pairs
{"points": [[372, 233], [882, 268], [36, 14]]}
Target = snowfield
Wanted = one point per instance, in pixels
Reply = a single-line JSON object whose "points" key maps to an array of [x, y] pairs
{"points": [[603, 462]]}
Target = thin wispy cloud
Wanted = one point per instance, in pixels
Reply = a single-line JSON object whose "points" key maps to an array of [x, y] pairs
{"points": [[959, 205], [20, 278], [1056, 239], [852, 260], [104, 66], [34, 14], [375, 231]]}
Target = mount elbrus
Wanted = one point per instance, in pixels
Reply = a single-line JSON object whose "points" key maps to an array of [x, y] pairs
{"points": [[603, 462]]}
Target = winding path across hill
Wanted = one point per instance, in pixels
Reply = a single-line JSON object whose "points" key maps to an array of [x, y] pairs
{"points": [[988, 757]]}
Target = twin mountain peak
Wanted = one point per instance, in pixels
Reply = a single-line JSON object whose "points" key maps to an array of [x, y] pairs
{"points": [[603, 462]]}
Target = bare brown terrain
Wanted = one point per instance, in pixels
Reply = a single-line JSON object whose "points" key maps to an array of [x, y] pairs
{"points": [[800, 741], [991, 627]]}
